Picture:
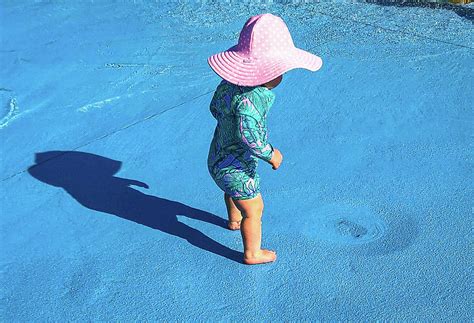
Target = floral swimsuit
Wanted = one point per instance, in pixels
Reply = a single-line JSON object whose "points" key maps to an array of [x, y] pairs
{"points": [[240, 138]]}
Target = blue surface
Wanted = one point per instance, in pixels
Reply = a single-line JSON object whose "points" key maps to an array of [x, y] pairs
{"points": [[370, 212]]}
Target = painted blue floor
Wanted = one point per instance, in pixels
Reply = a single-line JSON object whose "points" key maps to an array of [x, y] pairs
{"points": [[108, 211]]}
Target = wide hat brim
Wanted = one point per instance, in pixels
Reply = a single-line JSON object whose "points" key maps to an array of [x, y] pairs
{"points": [[238, 68]]}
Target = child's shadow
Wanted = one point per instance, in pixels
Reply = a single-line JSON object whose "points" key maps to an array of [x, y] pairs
{"points": [[89, 179]]}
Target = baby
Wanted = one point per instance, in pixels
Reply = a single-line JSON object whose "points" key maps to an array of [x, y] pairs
{"points": [[240, 105]]}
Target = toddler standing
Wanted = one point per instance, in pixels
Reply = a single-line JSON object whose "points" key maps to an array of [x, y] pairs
{"points": [[240, 104]]}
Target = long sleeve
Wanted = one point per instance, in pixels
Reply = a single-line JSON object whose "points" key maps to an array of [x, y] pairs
{"points": [[212, 106], [252, 130]]}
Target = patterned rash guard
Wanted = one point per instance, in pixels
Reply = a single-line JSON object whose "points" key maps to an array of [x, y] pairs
{"points": [[240, 138]]}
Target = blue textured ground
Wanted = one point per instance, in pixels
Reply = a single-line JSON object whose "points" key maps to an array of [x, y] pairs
{"points": [[370, 213]]}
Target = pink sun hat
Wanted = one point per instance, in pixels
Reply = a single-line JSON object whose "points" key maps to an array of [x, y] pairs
{"points": [[265, 51]]}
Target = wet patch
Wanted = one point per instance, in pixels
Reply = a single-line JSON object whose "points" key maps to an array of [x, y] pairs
{"points": [[351, 229], [347, 224]]}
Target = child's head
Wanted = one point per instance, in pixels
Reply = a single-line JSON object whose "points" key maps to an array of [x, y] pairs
{"points": [[265, 51]]}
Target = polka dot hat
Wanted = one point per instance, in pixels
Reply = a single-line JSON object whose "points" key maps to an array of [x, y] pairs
{"points": [[265, 50]]}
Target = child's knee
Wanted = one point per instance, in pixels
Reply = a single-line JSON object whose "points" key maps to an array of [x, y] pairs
{"points": [[254, 215], [254, 212]]}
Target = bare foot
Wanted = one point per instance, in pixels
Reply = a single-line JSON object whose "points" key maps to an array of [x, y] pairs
{"points": [[261, 257], [233, 225]]}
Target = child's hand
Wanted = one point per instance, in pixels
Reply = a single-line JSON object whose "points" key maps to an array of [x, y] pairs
{"points": [[276, 159]]}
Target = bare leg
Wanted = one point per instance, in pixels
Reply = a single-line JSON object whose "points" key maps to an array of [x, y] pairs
{"points": [[233, 213], [251, 229]]}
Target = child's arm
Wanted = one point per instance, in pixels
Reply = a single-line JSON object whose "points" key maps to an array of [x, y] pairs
{"points": [[252, 131]]}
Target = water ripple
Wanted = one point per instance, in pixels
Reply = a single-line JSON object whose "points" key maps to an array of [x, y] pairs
{"points": [[13, 111], [347, 224]]}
